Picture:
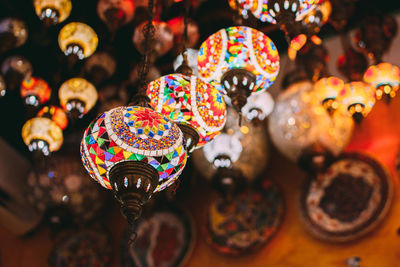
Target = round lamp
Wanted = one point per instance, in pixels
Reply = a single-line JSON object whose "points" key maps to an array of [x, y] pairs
{"points": [[358, 98], [15, 69], [77, 96], [42, 135], [52, 11], [196, 106], [13, 33], [328, 91], [134, 151], [243, 60], [99, 67], [35, 91], [78, 39], [115, 13], [385, 78]]}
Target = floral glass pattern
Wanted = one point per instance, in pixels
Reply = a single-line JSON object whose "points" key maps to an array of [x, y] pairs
{"points": [[189, 100], [133, 134], [239, 48]]}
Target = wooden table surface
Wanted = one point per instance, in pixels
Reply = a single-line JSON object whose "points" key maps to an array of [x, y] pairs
{"points": [[378, 135]]}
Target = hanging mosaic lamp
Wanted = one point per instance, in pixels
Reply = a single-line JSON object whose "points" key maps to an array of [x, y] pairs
{"points": [[42, 135], [385, 78], [15, 69], [78, 39], [163, 40], [35, 91], [115, 13], [134, 151], [243, 60], [52, 11], [77, 96], [196, 106], [328, 90], [358, 98], [56, 114], [13, 33]]}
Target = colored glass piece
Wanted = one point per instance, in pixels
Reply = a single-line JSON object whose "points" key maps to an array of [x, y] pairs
{"points": [[189, 100], [239, 47], [133, 134]]}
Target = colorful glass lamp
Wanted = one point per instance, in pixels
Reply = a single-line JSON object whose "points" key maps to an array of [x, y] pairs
{"points": [[243, 60], [197, 107], [42, 135], [35, 91], [134, 151], [77, 96], [56, 114], [15, 69], [52, 11], [115, 13], [78, 39], [327, 91], [385, 78], [359, 98]]}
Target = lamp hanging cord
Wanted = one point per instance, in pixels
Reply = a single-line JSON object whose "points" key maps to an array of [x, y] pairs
{"points": [[141, 99], [184, 68]]}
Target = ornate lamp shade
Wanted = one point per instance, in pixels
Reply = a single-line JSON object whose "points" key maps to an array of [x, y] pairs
{"points": [[115, 13], [78, 39], [197, 107], [244, 60], [77, 96], [358, 98], [3, 88], [13, 33], [100, 66], [52, 11], [163, 39], [63, 188], [56, 114], [304, 132], [237, 148], [244, 6], [15, 69], [134, 151], [43, 135], [328, 91], [278, 11], [385, 77], [191, 56], [35, 91], [317, 17]]}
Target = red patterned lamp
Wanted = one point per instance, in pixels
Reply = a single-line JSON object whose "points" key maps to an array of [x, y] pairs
{"points": [[35, 91], [197, 107], [385, 78], [56, 114], [242, 59]]}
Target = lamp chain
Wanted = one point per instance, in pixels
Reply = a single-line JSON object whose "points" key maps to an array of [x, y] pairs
{"points": [[148, 32]]}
